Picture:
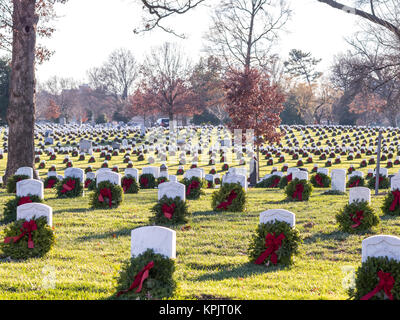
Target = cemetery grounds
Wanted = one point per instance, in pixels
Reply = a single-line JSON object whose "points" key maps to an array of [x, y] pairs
{"points": [[212, 262]]}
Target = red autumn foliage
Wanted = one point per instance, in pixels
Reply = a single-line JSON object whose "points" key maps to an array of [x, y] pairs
{"points": [[53, 111], [254, 103]]}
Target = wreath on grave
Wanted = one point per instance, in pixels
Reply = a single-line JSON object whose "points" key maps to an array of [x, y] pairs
{"points": [[106, 196], [161, 180], [355, 181], [193, 187], [10, 207], [210, 184], [28, 239], [225, 167], [358, 216], [140, 157], [90, 184], [147, 276], [69, 188], [285, 180], [12, 182], [147, 181], [391, 203], [129, 184], [274, 242], [180, 172], [217, 181], [384, 183], [230, 197], [271, 182], [42, 165], [88, 169], [170, 211], [104, 164], [378, 278], [298, 190], [320, 180], [50, 182]]}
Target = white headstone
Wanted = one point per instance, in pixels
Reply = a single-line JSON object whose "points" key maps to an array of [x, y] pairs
{"points": [[301, 175], [155, 171], [75, 173], [360, 194], [395, 182], [338, 180], [172, 190], [278, 215], [236, 178], [381, 246], [160, 239], [28, 211], [113, 177], [25, 171], [30, 187], [132, 172]]}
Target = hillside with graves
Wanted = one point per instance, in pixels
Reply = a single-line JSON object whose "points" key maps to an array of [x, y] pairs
{"points": [[120, 212]]}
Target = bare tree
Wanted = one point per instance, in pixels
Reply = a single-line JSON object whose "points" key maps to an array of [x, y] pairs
{"points": [[117, 75], [243, 31]]}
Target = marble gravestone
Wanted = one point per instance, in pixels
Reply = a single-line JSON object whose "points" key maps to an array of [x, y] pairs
{"points": [[381, 246], [160, 239], [75, 173], [338, 180], [235, 178], [25, 171], [35, 210], [113, 177], [30, 187], [132, 172], [155, 171], [360, 194], [172, 190], [395, 182], [278, 215]]}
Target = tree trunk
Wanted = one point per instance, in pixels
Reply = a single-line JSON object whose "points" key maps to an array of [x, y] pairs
{"points": [[21, 110]]}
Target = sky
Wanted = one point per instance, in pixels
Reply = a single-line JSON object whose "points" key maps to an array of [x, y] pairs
{"points": [[87, 31]]}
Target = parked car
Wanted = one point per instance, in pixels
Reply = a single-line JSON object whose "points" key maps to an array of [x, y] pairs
{"points": [[164, 122]]}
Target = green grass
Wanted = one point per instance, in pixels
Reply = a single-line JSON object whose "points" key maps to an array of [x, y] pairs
{"points": [[211, 262], [211, 258]]}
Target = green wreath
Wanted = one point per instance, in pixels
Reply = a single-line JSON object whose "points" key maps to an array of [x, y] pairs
{"points": [[195, 190], [176, 209], [220, 198], [159, 284], [161, 180], [289, 247], [271, 182], [293, 195], [117, 196], [384, 182], [74, 183], [353, 182], [129, 184], [356, 217], [367, 278], [12, 182], [390, 207], [43, 239], [50, 182], [10, 207], [325, 180], [284, 182], [147, 181]]}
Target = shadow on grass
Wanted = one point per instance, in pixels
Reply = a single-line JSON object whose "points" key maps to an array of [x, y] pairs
{"points": [[231, 271], [77, 210], [388, 217], [111, 234], [334, 235]]}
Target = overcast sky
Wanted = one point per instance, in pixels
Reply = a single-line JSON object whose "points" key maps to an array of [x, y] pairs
{"points": [[89, 30]]}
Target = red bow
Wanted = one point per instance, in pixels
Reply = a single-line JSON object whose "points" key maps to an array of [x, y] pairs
{"points": [[88, 182], [357, 218], [275, 183], [51, 183], [106, 193], [24, 200], [289, 177], [298, 193], [139, 279], [396, 200], [272, 243], [386, 283], [224, 205], [70, 185], [209, 185], [144, 181], [126, 184], [318, 179], [194, 185], [27, 228], [168, 211], [355, 183]]}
